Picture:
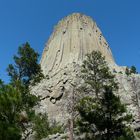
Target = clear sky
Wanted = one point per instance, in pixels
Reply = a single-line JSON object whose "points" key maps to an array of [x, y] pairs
{"points": [[33, 21]]}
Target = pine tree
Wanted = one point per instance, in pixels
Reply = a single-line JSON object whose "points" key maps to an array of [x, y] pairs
{"points": [[16, 102], [24, 72], [43, 128], [26, 67], [102, 117], [10, 106], [96, 74], [105, 118], [133, 70]]}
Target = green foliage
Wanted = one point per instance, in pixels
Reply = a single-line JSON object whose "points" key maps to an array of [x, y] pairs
{"points": [[137, 134], [16, 102], [127, 134], [120, 72], [56, 128], [10, 102], [10, 106], [96, 74], [131, 70], [26, 67], [24, 72], [43, 128], [102, 117], [9, 131], [106, 115], [29, 100]]}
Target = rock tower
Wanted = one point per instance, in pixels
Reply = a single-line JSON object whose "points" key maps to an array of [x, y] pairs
{"points": [[74, 37]]}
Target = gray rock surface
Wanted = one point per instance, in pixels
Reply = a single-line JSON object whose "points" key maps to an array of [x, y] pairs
{"points": [[73, 37]]}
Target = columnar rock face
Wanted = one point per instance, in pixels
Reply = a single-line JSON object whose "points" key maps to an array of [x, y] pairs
{"points": [[74, 37]]}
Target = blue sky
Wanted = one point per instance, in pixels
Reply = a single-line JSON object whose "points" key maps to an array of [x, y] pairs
{"points": [[33, 21]]}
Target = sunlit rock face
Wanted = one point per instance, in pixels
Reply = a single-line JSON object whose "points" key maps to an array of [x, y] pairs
{"points": [[73, 37]]}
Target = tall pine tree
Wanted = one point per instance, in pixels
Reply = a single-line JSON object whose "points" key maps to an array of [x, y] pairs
{"points": [[102, 116], [26, 68], [16, 102], [10, 107], [96, 74]]}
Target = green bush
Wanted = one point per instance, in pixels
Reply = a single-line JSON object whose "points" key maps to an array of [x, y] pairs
{"points": [[43, 128], [137, 134]]}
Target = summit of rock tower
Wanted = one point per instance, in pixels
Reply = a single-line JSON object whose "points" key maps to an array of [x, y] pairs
{"points": [[73, 37]]}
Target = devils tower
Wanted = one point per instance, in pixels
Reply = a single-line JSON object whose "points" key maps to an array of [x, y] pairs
{"points": [[74, 37]]}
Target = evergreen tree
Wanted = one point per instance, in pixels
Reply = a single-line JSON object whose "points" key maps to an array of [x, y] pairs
{"points": [[24, 72], [133, 70], [104, 117], [16, 102], [96, 74], [10, 106], [107, 116], [26, 67], [43, 128]]}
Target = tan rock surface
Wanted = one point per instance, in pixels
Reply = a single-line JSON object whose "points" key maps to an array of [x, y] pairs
{"points": [[73, 37]]}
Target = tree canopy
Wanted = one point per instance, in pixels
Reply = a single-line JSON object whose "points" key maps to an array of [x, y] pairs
{"points": [[26, 67], [16, 102], [102, 116]]}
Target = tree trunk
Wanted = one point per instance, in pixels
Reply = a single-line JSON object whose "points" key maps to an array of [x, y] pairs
{"points": [[136, 97], [70, 129]]}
